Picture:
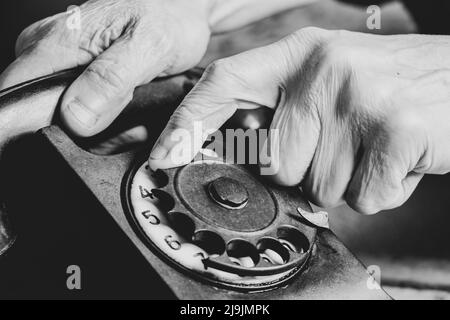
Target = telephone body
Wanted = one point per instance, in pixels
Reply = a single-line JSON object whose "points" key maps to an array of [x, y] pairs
{"points": [[209, 230]]}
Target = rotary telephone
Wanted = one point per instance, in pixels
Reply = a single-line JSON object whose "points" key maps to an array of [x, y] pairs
{"points": [[209, 230]]}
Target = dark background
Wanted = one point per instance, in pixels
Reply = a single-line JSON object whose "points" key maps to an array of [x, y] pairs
{"points": [[18, 14]]}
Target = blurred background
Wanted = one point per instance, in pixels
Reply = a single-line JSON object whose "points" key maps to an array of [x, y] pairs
{"points": [[409, 244]]}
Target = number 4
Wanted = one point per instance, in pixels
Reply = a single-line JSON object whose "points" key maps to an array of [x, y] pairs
{"points": [[145, 193]]}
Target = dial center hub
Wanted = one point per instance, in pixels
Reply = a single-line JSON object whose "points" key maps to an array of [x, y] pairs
{"points": [[228, 193], [226, 196]]}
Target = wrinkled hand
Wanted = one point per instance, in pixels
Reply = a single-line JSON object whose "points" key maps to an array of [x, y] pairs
{"points": [[125, 43], [361, 118]]}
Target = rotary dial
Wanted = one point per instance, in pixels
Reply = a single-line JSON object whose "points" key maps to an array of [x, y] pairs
{"points": [[220, 222]]}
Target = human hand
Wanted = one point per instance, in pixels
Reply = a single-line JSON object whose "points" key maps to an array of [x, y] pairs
{"points": [[124, 43], [361, 118]]}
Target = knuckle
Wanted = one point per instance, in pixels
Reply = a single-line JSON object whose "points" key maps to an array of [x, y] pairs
{"points": [[226, 75], [220, 68], [324, 201], [361, 205], [364, 208], [103, 23], [26, 37], [369, 200], [37, 36], [106, 75], [335, 54], [310, 33], [309, 40], [98, 34], [339, 50], [322, 195]]}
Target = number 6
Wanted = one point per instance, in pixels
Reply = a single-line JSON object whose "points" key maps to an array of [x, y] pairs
{"points": [[173, 244]]}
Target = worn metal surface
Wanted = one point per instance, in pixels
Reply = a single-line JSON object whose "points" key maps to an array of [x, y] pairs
{"points": [[24, 109], [268, 215], [332, 271], [30, 106], [228, 193]]}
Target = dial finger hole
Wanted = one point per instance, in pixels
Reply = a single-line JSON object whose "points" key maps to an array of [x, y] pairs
{"points": [[272, 251], [159, 178], [243, 253], [182, 224], [211, 242], [192, 257], [293, 239], [165, 201]]}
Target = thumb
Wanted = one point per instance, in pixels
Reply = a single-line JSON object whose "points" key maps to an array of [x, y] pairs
{"points": [[103, 90]]}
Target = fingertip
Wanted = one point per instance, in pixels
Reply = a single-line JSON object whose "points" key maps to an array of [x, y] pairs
{"points": [[168, 154], [167, 162], [86, 112], [284, 180], [364, 208], [278, 169], [158, 158], [159, 152], [78, 118], [154, 164]]}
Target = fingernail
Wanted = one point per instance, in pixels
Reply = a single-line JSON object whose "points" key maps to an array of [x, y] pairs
{"points": [[83, 114], [158, 152]]}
